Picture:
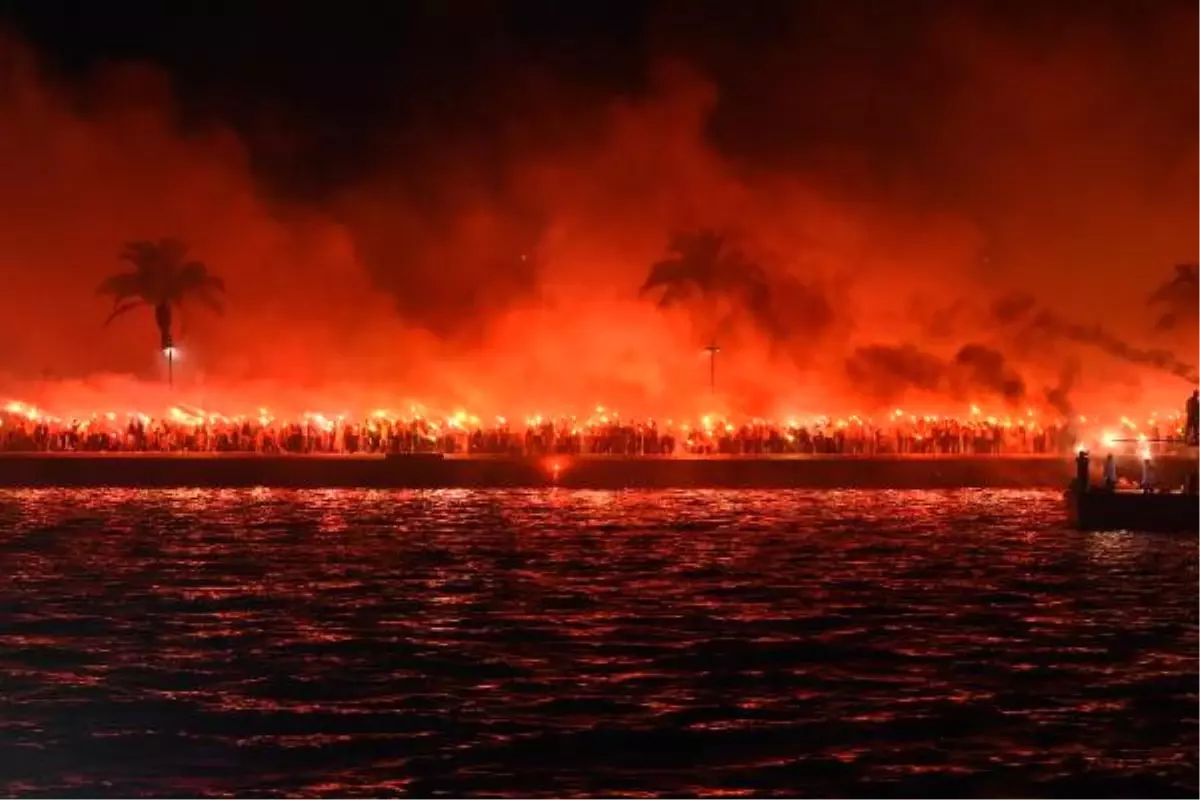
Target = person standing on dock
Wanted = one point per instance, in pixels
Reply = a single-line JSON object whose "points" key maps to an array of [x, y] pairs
{"points": [[1147, 476], [1191, 431], [1082, 479], [1110, 473]]}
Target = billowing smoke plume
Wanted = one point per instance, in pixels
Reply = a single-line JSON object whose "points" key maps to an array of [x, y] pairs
{"points": [[494, 261], [1023, 312], [886, 373], [1058, 396], [988, 370], [975, 373], [1178, 299]]}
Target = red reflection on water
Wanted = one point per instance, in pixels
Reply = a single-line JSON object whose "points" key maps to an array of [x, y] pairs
{"points": [[772, 627]]}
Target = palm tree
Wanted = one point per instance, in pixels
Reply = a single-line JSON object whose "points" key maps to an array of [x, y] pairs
{"points": [[162, 278], [702, 266]]}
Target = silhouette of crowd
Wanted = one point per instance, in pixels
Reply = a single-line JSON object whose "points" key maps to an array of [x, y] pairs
{"points": [[23, 429]]}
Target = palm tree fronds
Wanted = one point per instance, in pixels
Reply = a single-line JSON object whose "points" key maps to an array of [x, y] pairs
{"points": [[171, 251], [122, 308], [674, 295], [195, 277], [700, 263], [210, 300], [138, 252], [161, 277], [120, 286], [665, 273]]}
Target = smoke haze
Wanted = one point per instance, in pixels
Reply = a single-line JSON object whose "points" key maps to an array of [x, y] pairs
{"points": [[985, 224]]}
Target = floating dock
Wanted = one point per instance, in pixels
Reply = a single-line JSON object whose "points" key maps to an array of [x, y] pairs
{"points": [[1168, 512], [1111, 507]]}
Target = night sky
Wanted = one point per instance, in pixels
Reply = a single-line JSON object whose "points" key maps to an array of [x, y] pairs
{"points": [[317, 90], [312, 87]]}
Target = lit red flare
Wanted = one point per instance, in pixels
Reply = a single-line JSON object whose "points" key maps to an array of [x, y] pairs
{"points": [[912, 431]]}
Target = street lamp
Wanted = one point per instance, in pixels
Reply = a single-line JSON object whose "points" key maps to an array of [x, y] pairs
{"points": [[168, 350], [712, 351]]}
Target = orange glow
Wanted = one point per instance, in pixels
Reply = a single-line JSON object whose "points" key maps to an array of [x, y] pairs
{"points": [[383, 300], [461, 421]]}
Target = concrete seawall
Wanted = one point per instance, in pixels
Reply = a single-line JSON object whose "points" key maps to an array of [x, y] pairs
{"points": [[595, 471], [586, 472]]}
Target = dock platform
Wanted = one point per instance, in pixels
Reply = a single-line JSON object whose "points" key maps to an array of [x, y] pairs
{"points": [[1152, 512]]}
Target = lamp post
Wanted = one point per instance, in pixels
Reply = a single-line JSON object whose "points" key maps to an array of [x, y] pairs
{"points": [[712, 351], [168, 349]]}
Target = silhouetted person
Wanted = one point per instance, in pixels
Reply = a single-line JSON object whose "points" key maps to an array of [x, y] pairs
{"points": [[1110, 473], [1147, 476], [1192, 429], [1081, 472]]}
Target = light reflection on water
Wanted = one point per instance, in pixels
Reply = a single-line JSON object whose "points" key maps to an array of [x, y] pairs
{"points": [[557, 642]]}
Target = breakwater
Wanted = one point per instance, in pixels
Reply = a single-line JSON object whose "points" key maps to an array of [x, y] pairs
{"points": [[580, 472]]}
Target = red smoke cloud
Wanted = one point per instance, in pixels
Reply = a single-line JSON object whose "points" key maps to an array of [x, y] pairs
{"points": [[504, 277], [88, 167]]}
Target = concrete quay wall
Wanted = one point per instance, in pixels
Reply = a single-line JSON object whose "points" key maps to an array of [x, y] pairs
{"points": [[583, 472]]}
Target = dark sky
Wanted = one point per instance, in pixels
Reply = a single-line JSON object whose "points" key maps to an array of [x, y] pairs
{"points": [[333, 76], [312, 87]]}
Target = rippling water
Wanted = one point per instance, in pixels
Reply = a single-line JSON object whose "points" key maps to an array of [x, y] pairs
{"points": [[453, 643]]}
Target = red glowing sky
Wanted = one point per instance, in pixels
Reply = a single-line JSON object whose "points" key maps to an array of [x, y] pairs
{"points": [[504, 273]]}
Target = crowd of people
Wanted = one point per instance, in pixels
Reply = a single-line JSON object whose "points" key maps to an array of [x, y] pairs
{"points": [[23, 428]]}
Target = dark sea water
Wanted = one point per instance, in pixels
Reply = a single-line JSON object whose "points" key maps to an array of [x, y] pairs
{"points": [[198, 643]]}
